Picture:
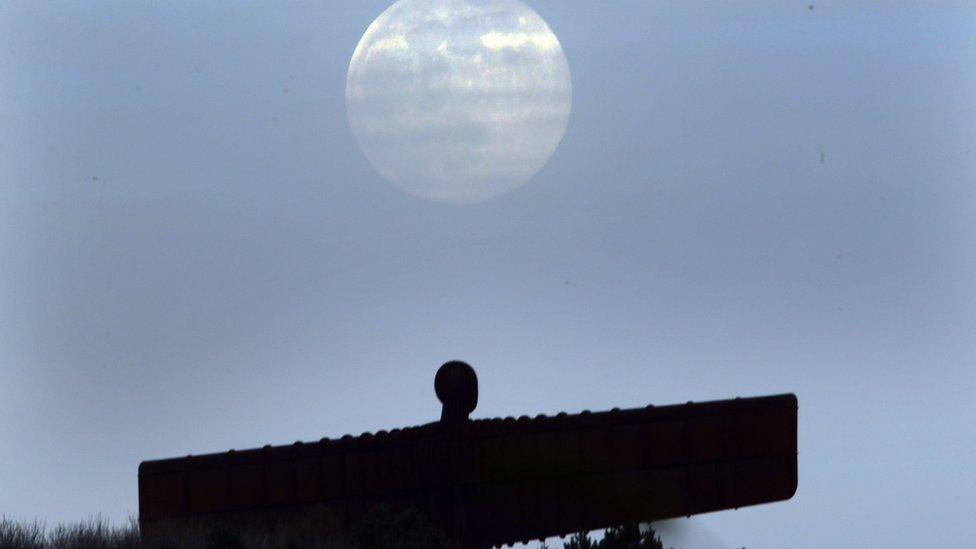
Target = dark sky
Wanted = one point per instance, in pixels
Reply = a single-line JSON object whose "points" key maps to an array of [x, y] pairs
{"points": [[750, 198]]}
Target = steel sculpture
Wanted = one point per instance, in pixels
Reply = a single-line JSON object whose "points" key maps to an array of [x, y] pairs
{"points": [[488, 482]]}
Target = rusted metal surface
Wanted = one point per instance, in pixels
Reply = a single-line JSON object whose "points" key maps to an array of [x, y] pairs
{"points": [[496, 481]]}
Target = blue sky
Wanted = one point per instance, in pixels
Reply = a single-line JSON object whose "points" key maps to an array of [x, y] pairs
{"points": [[750, 198]]}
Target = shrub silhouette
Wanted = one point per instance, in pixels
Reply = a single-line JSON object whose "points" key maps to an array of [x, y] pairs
{"points": [[628, 536]]}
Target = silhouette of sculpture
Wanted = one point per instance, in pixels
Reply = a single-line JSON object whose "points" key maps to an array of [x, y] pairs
{"points": [[456, 386], [488, 482]]}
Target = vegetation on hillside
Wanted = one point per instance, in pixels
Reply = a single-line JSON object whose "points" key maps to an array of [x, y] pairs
{"points": [[380, 530], [93, 534]]}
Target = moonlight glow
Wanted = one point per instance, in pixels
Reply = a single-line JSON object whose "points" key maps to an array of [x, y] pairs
{"points": [[458, 100]]}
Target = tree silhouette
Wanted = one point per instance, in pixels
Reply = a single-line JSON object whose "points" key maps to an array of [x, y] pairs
{"points": [[628, 536]]}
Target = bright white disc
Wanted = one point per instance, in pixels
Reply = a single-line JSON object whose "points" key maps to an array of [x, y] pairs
{"points": [[458, 100]]}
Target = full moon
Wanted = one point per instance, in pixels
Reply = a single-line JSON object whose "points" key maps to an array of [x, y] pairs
{"points": [[458, 101]]}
